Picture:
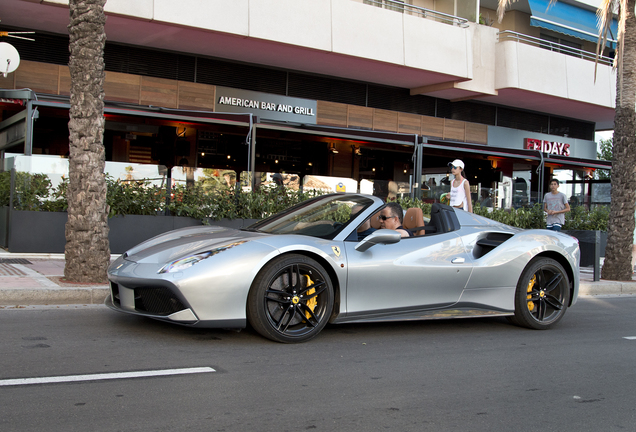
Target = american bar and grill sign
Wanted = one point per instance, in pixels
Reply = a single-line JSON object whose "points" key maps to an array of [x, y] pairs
{"points": [[265, 105]]}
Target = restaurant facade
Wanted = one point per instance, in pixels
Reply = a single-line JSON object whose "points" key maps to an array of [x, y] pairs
{"points": [[182, 116]]}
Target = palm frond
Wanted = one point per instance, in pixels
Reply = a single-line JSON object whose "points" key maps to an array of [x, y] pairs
{"points": [[501, 8]]}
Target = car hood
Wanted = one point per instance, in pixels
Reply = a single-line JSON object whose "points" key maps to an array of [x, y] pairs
{"points": [[183, 242]]}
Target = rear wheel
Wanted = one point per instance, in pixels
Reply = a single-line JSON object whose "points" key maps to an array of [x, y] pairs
{"points": [[542, 295], [291, 299]]}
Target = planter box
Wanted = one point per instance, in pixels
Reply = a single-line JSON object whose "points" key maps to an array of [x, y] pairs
{"points": [[44, 232], [4, 226], [587, 243], [36, 232]]}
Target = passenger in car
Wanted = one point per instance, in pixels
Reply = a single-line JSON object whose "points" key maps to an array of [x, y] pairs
{"points": [[365, 229], [391, 218]]}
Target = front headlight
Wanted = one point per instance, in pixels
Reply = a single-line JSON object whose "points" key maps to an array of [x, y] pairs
{"points": [[190, 260]]}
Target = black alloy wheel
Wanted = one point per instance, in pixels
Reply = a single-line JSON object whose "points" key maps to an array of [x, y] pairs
{"points": [[291, 299], [543, 294]]}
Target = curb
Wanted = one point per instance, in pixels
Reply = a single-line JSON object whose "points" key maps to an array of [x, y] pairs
{"points": [[54, 296], [607, 288]]}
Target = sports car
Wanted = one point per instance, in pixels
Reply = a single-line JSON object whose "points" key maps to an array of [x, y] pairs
{"points": [[326, 260]]}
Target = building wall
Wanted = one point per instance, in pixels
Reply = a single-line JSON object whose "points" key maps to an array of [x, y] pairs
{"points": [[545, 72], [143, 90], [463, 62], [515, 21]]}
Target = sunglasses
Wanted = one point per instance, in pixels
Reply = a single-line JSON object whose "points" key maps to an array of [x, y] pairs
{"points": [[454, 167], [382, 217]]}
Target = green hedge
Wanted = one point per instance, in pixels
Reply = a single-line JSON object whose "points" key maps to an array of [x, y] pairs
{"points": [[206, 199], [200, 201], [531, 218]]}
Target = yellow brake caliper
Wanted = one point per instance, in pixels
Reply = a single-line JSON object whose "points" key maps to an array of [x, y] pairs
{"points": [[312, 302], [530, 286]]}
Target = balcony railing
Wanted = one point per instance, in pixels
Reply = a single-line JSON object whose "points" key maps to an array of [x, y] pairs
{"points": [[402, 7], [508, 35]]}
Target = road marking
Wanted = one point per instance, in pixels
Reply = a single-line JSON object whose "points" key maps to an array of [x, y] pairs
{"points": [[630, 337], [103, 376]]}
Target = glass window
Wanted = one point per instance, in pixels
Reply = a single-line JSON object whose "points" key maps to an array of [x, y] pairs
{"points": [[322, 217], [467, 9]]}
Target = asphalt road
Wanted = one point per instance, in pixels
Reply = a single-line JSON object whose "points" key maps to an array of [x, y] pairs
{"points": [[462, 375]]}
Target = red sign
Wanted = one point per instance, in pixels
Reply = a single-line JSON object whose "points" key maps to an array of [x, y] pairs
{"points": [[550, 147], [13, 101]]}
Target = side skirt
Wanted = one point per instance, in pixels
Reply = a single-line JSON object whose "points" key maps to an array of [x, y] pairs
{"points": [[466, 311]]}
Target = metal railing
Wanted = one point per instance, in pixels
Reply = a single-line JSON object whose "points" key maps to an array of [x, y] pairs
{"points": [[507, 35], [401, 7]]}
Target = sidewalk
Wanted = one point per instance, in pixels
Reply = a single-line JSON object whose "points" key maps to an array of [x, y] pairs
{"points": [[38, 279]]}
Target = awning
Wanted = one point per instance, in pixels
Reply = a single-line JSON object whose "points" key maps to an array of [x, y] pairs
{"points": [[571, 20]]}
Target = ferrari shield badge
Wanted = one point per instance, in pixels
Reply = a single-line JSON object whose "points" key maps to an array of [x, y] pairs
{"points": [[336, 250]]}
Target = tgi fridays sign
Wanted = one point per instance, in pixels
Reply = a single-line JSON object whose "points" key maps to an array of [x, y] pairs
{"points": [[265, 105], [550, 147]]}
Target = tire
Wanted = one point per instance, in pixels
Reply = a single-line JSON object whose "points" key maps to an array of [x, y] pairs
{"points": [[290, 312], [542, 295]]}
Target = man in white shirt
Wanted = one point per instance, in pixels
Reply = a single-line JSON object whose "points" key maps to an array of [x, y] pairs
{"points": [[555, 205]]}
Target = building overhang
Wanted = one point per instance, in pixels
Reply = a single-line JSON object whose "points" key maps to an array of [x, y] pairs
{"points": [[521, 154]]}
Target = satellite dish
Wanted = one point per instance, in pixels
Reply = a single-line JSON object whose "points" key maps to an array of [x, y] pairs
{"points": [[9, 58]]}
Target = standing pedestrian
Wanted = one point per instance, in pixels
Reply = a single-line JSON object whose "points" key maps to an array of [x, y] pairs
{"points": [[555, 205], [460, 189]]}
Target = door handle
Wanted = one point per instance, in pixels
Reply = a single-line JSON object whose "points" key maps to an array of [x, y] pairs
{"points": [[458, 260]]}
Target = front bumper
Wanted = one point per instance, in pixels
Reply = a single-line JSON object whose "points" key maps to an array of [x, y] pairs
{"points": [[154, 300]]}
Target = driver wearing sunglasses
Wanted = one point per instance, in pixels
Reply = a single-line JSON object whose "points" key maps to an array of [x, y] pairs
{"points": [[391, 218]]}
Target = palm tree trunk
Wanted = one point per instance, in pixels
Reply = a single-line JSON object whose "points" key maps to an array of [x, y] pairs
{"points": [[618, 253], [87, 249]]}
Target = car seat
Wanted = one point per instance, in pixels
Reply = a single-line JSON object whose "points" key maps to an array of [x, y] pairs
{"points": [[443, 218], [414, 218]]}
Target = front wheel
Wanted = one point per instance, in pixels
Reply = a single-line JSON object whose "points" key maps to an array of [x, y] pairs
{"points": [[291, 299], [542, 295]]}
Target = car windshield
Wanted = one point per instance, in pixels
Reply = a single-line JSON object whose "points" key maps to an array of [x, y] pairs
{"points": [[322, 217]]}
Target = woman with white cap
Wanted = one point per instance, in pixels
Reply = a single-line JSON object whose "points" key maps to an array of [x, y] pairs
{"points": [[460, 189]]}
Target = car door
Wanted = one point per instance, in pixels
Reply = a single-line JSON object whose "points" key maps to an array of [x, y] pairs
{"points": [[416, 273]]}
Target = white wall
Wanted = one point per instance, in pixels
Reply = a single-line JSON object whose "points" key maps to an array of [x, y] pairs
{"points": [[541, 71]]}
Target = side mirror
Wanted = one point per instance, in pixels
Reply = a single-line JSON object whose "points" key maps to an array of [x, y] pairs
{"points": [[382, 236]]}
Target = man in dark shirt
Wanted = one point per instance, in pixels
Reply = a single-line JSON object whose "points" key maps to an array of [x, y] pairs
{"points": [[391, 218]]}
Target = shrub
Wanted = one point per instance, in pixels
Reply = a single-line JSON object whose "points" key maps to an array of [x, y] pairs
{"points": [[207, 199]]}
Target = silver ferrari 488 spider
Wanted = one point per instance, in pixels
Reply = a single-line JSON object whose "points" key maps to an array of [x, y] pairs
{"points": [[322, 262]]}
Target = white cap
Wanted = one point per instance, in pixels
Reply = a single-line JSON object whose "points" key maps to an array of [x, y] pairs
{"points": [[457, 163]]}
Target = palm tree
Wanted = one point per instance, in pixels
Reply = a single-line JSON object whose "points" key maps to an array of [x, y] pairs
{"points": [[618, 253], [87, 249]]}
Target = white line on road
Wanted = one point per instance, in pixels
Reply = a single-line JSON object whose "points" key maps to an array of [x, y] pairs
{"points": [[103, 376], [630, 337]]}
